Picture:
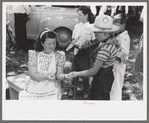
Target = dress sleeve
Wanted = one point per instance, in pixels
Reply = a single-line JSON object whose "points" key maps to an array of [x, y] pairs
{"points": [[61, 58], [32, 58]]}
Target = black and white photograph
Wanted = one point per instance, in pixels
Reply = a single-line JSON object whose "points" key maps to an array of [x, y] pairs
{"points": [[74, 61]]}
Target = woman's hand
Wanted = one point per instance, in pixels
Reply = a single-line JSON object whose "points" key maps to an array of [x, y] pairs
{"points": [[51, 78]]}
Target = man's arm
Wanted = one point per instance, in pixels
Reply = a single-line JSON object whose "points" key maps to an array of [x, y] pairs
{"points": [[95, 42]]}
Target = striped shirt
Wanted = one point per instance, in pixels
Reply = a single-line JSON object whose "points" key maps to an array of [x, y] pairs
{"points": [[107, 54]]}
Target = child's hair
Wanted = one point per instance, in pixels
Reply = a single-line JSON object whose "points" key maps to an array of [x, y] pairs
{"points": [[47, 33], [86, 10]]}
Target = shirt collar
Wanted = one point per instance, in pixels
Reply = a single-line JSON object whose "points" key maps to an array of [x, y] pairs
{"points": [[123, 33], [84, 23]]}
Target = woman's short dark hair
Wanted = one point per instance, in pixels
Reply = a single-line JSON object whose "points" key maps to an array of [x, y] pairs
{"points": [[42, 37], [86, 10]]}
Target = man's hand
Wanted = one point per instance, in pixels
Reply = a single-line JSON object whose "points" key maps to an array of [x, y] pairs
{"points": [[73, 74], [84, 47], [28, 17], [124, 60]]}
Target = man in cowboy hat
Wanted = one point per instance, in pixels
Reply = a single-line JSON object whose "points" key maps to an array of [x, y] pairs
{"points": [[103, 28]]}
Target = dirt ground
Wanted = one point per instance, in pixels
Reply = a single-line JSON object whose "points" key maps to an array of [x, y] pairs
{"points": [[16, 64]]}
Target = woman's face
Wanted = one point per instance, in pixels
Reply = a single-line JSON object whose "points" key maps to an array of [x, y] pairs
{"points": [[82, 17], [49, 45]]}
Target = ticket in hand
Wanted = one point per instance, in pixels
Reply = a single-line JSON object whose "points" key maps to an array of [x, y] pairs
{"points": [[70, 46], [72, 43]]}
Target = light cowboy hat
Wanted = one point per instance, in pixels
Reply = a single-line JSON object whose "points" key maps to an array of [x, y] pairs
{"points": [[103, 23]]}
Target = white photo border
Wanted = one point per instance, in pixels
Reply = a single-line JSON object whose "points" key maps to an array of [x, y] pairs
{"points": [[74, 110]]}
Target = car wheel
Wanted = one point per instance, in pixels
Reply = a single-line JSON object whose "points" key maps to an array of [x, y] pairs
{"points": [[64, 37]]}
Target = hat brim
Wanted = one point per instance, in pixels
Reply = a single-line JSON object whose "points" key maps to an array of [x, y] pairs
{"points": [[114, 28]]}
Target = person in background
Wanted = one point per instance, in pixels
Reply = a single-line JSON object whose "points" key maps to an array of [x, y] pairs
{"points": [[103, 77], [121, 9], [97, 10], [81, 60], [120, 66], [93, 9], [21, 16], [103, 9], [139, 59], [113, 10], [45, 65]]}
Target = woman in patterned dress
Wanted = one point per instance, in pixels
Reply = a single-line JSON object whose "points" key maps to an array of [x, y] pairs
{"points": [[45, 67]]}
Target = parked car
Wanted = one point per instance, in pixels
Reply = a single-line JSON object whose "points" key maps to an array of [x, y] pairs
{"points": [[60, 19]]}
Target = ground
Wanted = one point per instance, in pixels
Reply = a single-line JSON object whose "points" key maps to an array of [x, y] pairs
{"points": [[16, 63]]}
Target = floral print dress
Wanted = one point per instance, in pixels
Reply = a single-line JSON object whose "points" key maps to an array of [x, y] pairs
{"points": [[46, 64]]}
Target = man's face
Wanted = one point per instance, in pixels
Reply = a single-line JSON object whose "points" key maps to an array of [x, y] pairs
{"points": [[118, 23], [101, 35]]}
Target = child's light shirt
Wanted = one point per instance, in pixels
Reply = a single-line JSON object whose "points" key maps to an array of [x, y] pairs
{"points": [[124, 43], [81, 30], [87, 36]]}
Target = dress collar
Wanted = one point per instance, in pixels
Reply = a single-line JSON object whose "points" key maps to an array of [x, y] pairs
{"points": [[49, 53]]}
